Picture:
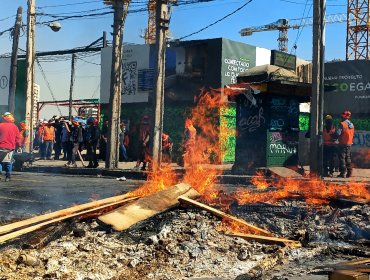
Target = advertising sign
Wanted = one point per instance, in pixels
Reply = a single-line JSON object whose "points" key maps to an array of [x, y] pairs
{"points": [[4, 80], [351, 83], [137, 76], [236, 58]]}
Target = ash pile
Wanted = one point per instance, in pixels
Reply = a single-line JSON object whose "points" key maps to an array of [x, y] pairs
{"points": [[187, 242]]}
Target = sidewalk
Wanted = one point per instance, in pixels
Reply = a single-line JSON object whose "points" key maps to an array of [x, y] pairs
{"points": [[127, 170]]}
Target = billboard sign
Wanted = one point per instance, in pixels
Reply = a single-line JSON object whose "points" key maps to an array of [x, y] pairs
{"points": [[236, 58], [350, 81], [137, 76], [4, 80]]}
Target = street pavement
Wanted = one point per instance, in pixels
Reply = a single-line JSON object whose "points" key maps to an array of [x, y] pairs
{"points": [[30, 194]]}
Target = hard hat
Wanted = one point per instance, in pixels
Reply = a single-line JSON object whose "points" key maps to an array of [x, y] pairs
{"points": [[8, 117], [90, 120], [328, 117], [346, 115]]}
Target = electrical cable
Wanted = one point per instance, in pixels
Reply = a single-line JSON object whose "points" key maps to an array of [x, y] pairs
{"points": [[215, 22], [48, 84]]}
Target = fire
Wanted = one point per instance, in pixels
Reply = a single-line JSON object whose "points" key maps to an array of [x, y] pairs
{"points": [[260, 181], [232, 226], [312, 191], [157, 181]]}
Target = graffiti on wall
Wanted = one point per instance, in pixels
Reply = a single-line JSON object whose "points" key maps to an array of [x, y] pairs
{"points": [[280, 143]]}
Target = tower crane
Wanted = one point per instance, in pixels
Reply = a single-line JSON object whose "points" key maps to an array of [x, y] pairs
{"points": [[282, 25], [150, 31]]}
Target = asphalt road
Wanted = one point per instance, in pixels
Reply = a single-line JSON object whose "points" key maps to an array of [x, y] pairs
{"points": [[29, 194]]}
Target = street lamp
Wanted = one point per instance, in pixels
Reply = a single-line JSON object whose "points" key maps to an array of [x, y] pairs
{"points": [[55, 26]]}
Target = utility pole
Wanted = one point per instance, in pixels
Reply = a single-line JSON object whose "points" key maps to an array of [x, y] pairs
{"points": [[162, 23], [71, 86], [105, 44], [30, 74], [317, 100], [115, 84], [14, 60]]}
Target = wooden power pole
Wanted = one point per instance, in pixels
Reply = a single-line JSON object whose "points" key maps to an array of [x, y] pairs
{"points": [[71, 87], [14, 60], [115, 84], [30, 70], [317, 100], [162, 23]]}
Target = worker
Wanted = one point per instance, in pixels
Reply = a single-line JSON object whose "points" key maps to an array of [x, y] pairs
{"points": [[76, 139], [92, 136], [10, 139], [48, 139], [144, 142], [23, 134], [345, 132], [330, 146], [166, 148]]}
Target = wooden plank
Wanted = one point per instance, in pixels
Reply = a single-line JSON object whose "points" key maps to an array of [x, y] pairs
{"points": [[38, 226], [365, 261], [266, 239], [42, 218], [43, 237], [223, 215], [146, 207]]}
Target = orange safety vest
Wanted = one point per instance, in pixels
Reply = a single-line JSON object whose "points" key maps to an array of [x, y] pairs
{"points": [[346, 138], [49, 133], [328, 140]]}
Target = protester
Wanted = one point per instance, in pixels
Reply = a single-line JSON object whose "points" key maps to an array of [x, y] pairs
{"points": [[76, 139], [9, 139], [58, 126], [123, 141], [24, 135], [345, 132], [92, 135], [330, 146], [144, 138], [166, 148], [64, 136], [48, 138], [103, 141], [133, 149]]}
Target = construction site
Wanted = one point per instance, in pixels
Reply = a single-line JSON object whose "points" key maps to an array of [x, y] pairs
{"points": [[257, 216]]}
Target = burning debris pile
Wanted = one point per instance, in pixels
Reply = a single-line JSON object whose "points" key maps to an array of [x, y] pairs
{"points": [[181, 232], [189, 242]]}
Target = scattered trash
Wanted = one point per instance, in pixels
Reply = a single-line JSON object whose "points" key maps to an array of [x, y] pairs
{"points": [[123, 178]]}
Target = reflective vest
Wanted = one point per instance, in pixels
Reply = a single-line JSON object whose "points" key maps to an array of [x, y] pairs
{"points": [[346, 138], [49, 133], [327, 136]]}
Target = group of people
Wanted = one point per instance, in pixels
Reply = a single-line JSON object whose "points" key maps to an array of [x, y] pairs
{"points": [[69, 138], [337, 143]]}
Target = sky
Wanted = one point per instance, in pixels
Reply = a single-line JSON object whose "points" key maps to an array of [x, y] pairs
{"points": [[185, 20]]}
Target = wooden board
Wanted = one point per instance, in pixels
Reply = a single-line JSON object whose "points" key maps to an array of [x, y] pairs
{"points": [[223, 215], [74, 209], [20, 232], [146, 207], [266, 239]]}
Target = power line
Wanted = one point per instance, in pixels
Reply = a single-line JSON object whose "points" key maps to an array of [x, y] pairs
{"points": [[217, 21], [48, 84]]}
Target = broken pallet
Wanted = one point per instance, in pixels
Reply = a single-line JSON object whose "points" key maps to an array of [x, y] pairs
{"points": [[146, 207]]}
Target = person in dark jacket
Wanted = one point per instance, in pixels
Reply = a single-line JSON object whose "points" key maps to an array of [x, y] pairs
{"points": [[58, 137], [76, 139], [103, 141], [92, 136], [330, 146]]}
